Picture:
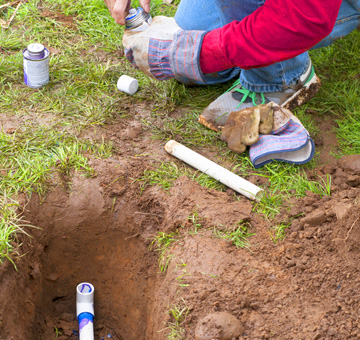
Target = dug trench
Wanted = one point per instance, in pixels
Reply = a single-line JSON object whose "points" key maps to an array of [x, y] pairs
{"points": [[100, 230]]}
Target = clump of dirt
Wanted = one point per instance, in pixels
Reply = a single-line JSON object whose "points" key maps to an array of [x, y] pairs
{"points": [[66, 20], [99, 230], [222, 326], [325, 140]]}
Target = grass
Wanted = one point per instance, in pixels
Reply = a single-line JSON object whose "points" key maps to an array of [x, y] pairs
{"points": [[270, 204], [57, 332], [162, 243], [195, 223], [32, 153], [11, 226], [164, 174], [86, 61], [178, 313], [278, 232], [338, 99], [238, 234], [76, 98], [181, 279], [287, 181], [185, 129]]}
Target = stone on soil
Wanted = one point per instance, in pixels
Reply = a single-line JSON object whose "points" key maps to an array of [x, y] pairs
{"points": [[315, 218], [342, 209], [351, 162], [219, 326]]}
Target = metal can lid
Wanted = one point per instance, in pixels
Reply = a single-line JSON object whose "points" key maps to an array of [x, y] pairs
{"points": [[132, 13], [36, 48], [136, 17]]}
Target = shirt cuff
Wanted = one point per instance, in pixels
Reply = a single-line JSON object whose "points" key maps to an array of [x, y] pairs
{"points": [[212, 58], [185, 56]]}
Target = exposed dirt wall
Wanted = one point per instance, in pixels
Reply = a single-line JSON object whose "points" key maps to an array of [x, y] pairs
{"points": [[99, 230]]}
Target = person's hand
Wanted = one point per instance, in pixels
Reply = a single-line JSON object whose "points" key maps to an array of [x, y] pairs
{"points": [[164, 50], [149, 50], [242, 128], [119, 9]]}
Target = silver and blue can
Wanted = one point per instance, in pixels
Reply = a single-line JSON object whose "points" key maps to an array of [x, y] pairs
{"points": [[137, 20], [36, 65]]}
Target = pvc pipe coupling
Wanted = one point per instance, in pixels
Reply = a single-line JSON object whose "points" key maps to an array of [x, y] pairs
{"points": [[85, 310]]}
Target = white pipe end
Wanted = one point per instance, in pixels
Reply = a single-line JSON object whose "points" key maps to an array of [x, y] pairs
{"points": [[85, 298], [170, 145]]}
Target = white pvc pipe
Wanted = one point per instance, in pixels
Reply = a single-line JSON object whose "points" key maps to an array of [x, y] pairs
{"points": [[85, 310], [214, 170]]}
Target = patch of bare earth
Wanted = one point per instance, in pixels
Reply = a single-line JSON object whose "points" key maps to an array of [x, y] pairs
{"points": [[99, 230], [325, 141], [66, 20]]}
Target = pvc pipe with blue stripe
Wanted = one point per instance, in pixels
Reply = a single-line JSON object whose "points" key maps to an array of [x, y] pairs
{"points": [[85, 310]]}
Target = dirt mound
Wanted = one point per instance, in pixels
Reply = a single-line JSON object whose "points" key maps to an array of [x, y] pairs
{"points": [[99, 230]]}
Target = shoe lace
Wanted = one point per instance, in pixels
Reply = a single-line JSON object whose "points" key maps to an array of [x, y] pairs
{"points": [[246, 94]]}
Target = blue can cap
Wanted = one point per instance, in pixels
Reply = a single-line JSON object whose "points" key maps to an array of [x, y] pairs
{"points": [[36, 48], [133, 13]]}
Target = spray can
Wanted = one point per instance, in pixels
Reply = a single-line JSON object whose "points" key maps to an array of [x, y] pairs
{"points": [[137, 20], [36, 65]]}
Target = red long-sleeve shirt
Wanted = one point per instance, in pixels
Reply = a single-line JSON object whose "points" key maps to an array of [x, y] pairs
{"points": [[276, 31]]}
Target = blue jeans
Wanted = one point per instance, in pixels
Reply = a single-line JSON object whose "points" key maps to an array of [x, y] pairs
{"points": [[207, 15]]}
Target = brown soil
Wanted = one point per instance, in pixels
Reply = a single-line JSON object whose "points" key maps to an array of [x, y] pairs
{"points": [[325, 141], [99, 230], [58, 17]]}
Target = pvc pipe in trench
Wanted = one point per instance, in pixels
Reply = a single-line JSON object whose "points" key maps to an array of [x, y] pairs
{"points": [[214, 170], [85, 310]]}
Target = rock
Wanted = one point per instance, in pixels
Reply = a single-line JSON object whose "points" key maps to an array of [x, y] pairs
{"points": [[315, 218], [309, 200], [290, 263], [317, 336], [219, 326], [52, 277], [353, 180], [35, 272], [341, 209], [351, 162], [133, 130], [309, 232]]}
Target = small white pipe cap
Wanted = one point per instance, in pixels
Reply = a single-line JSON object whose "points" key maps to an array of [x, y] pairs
{"points": [[127, 84]]}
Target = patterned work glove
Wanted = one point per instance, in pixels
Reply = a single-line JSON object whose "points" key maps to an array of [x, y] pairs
{"points": [[165, 51], [288, 141], [242, 127]]}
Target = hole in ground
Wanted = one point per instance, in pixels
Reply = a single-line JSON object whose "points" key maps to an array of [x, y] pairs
{"points": [[78, 243]]}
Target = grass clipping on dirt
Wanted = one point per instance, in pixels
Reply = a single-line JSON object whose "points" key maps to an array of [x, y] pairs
{"points": [[41, 129]]}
